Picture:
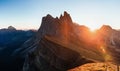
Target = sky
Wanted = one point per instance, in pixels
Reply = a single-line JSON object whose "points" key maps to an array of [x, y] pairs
{"points": [[27, 14]]}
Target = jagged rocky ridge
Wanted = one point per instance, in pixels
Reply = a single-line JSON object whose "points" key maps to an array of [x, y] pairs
{"points": [[47, 55], [60, 45]]}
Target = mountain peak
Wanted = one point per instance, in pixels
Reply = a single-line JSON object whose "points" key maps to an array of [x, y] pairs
{"points": [[11, 28], [66, 17], [51, 25], [106, 28], [49, 16], [65, 13]]}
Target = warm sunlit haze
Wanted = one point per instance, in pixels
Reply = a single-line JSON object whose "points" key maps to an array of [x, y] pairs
{"points": [[27, 14]]}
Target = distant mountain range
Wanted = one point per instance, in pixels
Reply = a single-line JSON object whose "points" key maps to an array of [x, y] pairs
{"points": [[10, 40], [58, 45]]}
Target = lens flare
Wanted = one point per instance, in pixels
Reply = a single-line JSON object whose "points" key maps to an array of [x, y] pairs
{"points": [[103, 49]]}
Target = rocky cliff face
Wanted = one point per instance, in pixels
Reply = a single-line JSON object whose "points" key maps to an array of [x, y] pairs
{"points": [[110, 37], [60, 45], [55, 26], [54, 50]]}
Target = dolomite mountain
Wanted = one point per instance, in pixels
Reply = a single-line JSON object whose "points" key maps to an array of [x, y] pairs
{"points": [[60, 45], [54, 50]]}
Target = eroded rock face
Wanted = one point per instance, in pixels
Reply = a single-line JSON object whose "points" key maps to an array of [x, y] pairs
{"points": [[49, 55], [55, 26], [67, 45]]}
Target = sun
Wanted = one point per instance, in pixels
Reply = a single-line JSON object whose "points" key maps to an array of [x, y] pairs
{"points": [[92, 28]]}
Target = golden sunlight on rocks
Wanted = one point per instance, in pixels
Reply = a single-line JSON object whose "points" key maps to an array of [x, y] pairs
{"points": [[96, 67]]}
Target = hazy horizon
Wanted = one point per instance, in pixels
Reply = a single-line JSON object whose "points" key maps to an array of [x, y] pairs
{"points": [[27, 14]]}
